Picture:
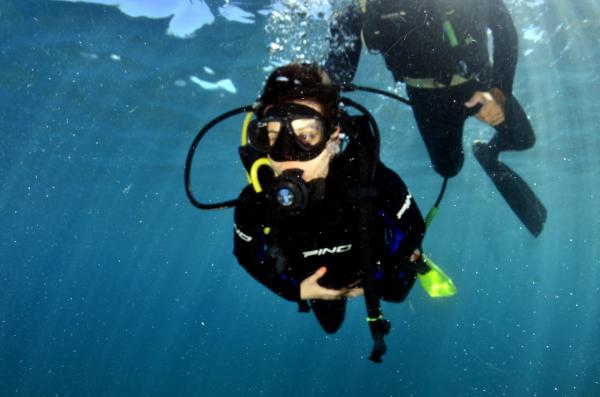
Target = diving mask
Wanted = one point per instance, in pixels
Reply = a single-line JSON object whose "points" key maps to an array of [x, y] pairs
{"points": [[290, 132]]}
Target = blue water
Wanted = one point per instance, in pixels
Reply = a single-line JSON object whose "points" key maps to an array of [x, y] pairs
{"points": [[112, 284]]}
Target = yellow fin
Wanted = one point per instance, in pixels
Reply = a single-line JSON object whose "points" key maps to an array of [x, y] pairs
{"points": [[435, 282]]}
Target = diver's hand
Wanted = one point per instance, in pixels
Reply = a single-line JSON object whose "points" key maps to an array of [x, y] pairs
{"points": [[310, 288], [492, 111], [415, 255]]}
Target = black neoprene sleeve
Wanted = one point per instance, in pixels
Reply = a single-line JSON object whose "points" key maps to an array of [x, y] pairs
{"points": [[506, 46]]}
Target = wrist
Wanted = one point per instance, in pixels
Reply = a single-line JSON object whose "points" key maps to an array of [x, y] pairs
{"points": [[302, 295]]}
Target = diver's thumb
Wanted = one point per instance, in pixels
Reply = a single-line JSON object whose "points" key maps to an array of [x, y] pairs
{"points": [[476, 99], [320, 272]]}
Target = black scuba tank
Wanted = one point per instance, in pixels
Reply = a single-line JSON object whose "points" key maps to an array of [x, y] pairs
{"points": [[427, 38]]}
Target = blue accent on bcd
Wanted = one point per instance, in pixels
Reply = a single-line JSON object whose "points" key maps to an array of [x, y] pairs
{"points": [[261, 253], [397, 234]]}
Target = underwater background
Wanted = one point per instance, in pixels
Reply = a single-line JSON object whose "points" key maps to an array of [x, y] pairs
{"points": [[113, 284]]}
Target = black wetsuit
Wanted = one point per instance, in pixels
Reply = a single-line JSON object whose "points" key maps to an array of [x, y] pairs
{"points": [[327, 234], [414, 46]]}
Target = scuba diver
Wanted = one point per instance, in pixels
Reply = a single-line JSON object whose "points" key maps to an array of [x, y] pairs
{"points": [[440, 50], [323, 220], [311, 250]]}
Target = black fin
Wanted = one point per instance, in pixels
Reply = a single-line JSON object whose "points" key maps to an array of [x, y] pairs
{"points": [[517, 193]]}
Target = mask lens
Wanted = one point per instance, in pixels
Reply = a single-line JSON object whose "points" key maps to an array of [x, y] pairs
{"points": [[308, 131], [262, 133]]}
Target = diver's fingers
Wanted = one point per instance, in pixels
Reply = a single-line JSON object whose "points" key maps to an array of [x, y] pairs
{"points": [[496, 121], [415, 255], [354, 284], [491, 113], [485, 110], [495, 116], [354, 292], [499, 119], [331, 294]]}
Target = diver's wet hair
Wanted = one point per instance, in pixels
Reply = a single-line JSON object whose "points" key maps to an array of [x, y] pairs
{"points": [[295, 81]]}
